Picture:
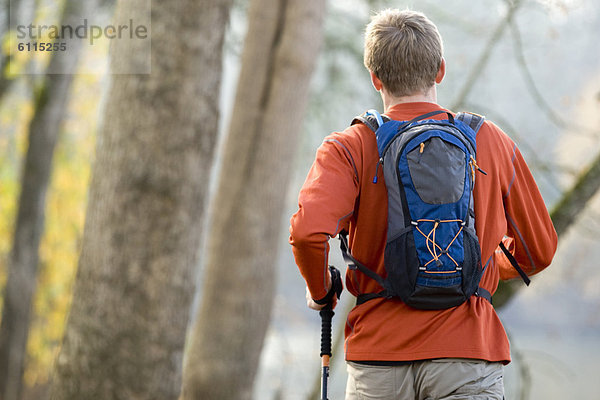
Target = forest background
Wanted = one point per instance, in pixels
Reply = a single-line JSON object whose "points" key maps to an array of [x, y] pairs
{"points": [[532, 66]]}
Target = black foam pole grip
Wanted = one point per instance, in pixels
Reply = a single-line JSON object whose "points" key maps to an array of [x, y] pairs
{"points": [[326, 317]]}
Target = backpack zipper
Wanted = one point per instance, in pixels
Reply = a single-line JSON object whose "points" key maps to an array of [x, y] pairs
{"points": [[402, 129]]}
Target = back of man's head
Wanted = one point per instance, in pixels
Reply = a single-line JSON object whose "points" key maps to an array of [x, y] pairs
{"points": [[404, 50]]}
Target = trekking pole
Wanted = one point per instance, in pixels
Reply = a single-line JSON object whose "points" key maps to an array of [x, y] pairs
{"points": [[326, 314], [326, 317]]}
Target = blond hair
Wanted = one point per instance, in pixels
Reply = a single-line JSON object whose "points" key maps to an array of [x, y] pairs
{"points": [[404, 50]]}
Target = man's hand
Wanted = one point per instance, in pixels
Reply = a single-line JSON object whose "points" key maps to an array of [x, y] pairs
{"points": [[334, 291], [317, 307]]}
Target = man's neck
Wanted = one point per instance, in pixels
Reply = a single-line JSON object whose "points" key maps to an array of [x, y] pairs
{"points": [[430, 96]]}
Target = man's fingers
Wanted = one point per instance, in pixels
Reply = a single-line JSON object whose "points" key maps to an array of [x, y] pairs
{"points": [[311, 303], [317, 307]]}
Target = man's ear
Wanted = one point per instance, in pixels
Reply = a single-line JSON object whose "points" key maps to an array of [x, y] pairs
{"points": [[441, 72], [375, 81]]}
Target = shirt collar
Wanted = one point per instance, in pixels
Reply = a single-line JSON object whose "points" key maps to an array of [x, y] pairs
{"points": [[406, 111]]}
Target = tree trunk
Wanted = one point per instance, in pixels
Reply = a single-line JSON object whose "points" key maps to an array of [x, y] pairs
{"points": [[279, 56], [126, 330], [4, 23], [16, 12], [563, 215], [573, 202], [50, 110]]}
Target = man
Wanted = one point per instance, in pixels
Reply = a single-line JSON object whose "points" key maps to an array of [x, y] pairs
{"points": [[394, 351]]}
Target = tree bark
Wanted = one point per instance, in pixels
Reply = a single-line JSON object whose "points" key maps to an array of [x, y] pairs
{"points": [[278, 59], [126, 330], [50, 111]]}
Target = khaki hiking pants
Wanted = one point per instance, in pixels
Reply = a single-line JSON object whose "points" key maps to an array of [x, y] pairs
{"points": [[447, 379]]}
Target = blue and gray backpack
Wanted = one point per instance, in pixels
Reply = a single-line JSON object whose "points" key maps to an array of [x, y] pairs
{"points": [[432, 254]]}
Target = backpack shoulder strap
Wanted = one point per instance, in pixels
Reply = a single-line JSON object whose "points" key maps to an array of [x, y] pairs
{"points": [[515, 264], [372, 119], [354, 264], [473, 120]]}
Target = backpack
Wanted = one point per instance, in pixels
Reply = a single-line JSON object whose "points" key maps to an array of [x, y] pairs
{"points": [[432, 255]]}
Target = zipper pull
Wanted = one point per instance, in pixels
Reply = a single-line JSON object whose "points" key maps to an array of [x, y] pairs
{"points": [[474, 164], [380, 162]]}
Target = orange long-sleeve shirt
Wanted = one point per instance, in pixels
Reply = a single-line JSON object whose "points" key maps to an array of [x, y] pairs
{"points": [[339, 194]]}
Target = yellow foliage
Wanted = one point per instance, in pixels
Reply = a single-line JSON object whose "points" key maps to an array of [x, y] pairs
{"points": [[14, 120], [66, 198], [65, 215]]}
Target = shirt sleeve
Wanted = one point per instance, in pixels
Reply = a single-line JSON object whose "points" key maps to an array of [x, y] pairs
{"points": [[326, 204], [530, 235]]}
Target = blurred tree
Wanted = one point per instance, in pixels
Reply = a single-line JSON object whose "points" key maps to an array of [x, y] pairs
{"points": [[13, 11], [587, 182], [574, 201], [50, 110], [4, 22], [279, 56], [484, 57], [125, 334], [564, 215], [5, 27]]}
